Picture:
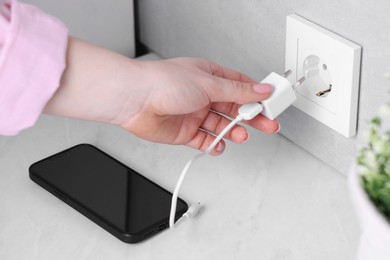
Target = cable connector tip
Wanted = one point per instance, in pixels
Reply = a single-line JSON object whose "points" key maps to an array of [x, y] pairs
{"points": [[249, 111], [193, 210]]}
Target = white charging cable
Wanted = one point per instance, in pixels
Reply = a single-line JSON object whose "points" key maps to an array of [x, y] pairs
{"points": [[282, 97], [246, 112]]}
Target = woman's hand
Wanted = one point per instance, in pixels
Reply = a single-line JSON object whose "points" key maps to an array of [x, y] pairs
{"points": [[177, 101], [189, 100]]}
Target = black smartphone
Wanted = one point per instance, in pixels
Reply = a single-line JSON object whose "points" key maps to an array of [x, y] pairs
{"points": [[106, 191]]}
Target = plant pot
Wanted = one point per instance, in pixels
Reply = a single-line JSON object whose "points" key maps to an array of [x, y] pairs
{"points": [[375, 239]]}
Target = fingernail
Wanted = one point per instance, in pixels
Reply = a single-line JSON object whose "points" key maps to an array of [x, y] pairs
{"points": [[263, 88], [246, 138], [278, 130], [220, 147]]}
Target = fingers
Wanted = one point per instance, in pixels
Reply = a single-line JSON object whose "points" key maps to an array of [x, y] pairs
{"points": [[215, 124], [260, 122], [202, 140], [231, 86], [264, 124], [212, 126], [227, 73], [223, 90]]}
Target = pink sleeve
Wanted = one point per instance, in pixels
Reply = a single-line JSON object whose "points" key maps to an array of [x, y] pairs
{"points": [[32, 60]]}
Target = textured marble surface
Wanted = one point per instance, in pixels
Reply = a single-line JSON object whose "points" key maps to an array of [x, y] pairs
{"points": [[265, 199], [250, 36]]}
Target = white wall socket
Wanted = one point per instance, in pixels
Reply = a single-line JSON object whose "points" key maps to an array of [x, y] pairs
{"points": [[331, 66]]}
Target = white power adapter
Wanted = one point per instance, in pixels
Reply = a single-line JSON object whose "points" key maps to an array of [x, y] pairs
{"points": [[282, 97]]}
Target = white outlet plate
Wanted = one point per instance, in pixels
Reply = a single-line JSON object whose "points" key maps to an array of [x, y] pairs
{"points": [[338, 110]]}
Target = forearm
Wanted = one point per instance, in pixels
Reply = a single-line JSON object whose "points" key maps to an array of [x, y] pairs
{"points": [[94, 85]]}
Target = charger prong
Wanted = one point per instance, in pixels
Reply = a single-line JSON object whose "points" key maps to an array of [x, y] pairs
{"points": [[301, 80], [287, 73], [298, 83]]}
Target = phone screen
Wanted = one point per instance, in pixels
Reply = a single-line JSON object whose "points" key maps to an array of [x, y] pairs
{"points": [[107, 188]]}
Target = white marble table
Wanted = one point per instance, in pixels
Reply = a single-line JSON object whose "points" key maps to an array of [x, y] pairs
{"points": [[265, 199]]}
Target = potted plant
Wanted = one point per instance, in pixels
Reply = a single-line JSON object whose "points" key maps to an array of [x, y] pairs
{"points": [[369, 183]]}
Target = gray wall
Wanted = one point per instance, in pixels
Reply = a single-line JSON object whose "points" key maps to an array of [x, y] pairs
{"points": [[110, 25], [250, 35]]}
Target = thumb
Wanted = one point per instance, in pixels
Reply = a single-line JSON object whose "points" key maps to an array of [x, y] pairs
{"points": [[225, 90]]}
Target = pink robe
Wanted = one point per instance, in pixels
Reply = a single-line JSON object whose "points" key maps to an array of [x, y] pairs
{"points": [[32, 59]]}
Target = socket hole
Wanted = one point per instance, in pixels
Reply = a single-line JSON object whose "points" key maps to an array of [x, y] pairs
{"points": [[325, 92], [162, 226], [318, 82]]}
